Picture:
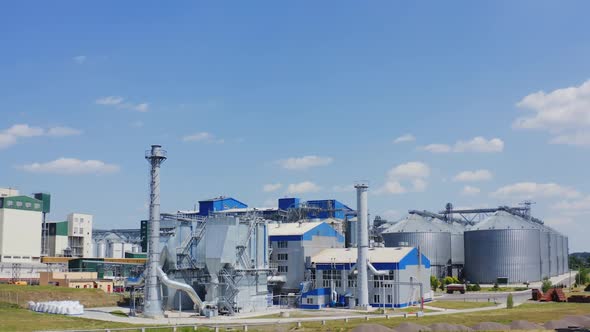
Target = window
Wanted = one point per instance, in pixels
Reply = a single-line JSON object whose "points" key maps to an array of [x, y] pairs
{"points": [[351, 281], [37, 206], [282, 244], [19, 203], [81, 230], [376, 298], [382, 281], [282, 257], [28, 205], [9, 203], [16, 257], [81, 220], [389, 298], [7, 257], [309, 300], [283, 269], [332, 277]]}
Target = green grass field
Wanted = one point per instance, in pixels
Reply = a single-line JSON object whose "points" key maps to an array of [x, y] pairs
{"points": [[88, 297], [460, 304]]}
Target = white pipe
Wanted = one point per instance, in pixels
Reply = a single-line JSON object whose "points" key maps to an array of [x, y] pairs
{"points": [[375, 271], [182, 287]]}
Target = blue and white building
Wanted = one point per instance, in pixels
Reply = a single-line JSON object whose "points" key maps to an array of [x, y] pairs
{"points": [[398, 277], [291, 243]]}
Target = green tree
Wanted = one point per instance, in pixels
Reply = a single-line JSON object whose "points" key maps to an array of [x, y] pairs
{"points": [[434, 282], [509, 302], [546, 285], [582, 276]]}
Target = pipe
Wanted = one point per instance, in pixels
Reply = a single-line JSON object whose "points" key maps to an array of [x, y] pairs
{"points": [[182, 287], [375, 271]]}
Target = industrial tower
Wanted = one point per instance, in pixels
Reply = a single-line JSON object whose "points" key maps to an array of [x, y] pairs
{"points": [[363, 244], [153, 300]]}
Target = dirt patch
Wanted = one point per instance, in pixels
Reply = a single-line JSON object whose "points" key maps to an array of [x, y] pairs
{"points": [[525, 325], [411, 327], [372, 328], [582, 321], [449, 327], [491, 326]]}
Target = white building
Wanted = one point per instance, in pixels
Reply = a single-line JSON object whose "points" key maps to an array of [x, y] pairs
{"points": [[398, 277], [73, 237], [291, 243], [20, 227]]}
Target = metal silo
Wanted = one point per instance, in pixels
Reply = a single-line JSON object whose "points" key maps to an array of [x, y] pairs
{"points": [[553, 258], [544, 245], [560, 255], [566, 251], [433, 239], [503, 246]]}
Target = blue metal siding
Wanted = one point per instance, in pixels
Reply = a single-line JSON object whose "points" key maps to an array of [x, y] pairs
{"points": [[412, 259], [323, 229], [287, 203], [219, 204]]}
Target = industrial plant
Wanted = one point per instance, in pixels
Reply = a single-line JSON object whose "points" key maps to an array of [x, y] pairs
{"points": [[225, 258]]}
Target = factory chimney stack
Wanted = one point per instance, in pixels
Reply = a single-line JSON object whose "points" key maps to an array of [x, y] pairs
{"points": [[153, 301], [363, 243]]}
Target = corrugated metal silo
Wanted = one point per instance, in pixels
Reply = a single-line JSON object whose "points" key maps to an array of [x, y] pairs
{"points": [[544, 245], [566, 250], [503, 245], [418, 231], [559, 254], [553, 258]]}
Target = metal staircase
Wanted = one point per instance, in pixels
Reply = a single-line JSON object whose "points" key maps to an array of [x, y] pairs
{"points": [[230, 292], [183, 251]]}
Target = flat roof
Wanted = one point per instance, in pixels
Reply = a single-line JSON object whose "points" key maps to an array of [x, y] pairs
{"points": [[292, 228], [349, 255]]}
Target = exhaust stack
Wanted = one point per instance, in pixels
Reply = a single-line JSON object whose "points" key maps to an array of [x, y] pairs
{"points": [[363, 244], [153, 300]]}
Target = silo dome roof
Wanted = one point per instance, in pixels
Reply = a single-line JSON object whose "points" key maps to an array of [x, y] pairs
{"points": [[504, 220], [416, 223]]}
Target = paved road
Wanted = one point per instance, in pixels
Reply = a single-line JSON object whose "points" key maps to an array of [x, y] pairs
{"points": [[500, 297]]}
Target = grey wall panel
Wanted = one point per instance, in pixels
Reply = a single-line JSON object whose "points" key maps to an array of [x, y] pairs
{"points": [[513, 253], [457, 249], [567, 254], [436, 246]]}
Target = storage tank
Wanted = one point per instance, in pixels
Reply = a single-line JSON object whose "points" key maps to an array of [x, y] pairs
{"points": [[101, 249], [553, 258], [566, 251], [544, 245], [503, 246], [560, 255], [433, 239]]}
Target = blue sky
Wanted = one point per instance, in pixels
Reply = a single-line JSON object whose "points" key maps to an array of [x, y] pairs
{"points": [[304, 98]]}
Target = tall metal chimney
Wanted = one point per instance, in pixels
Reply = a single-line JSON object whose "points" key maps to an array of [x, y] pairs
{"points": [[153, 300], [363, 243]]}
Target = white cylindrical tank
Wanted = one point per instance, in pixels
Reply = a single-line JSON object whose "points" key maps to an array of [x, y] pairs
{"points": [[135, 248], [115, 250], [101, 249]]}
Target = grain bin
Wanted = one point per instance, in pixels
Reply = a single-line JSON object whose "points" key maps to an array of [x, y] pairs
{"points": [[503, 246], [433, 239]]}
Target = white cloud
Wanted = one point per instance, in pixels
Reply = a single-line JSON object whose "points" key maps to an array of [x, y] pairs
{"points": [[476, 144], [143, 107], [24, 130], [565, 113], [473, 176], [71, 166], [63, 131], [437, 148], [578, 206], [302, 188], [271, 187], [11, 136], [6, 140], [404, 138], [305, 162], [413, 173], [470, 191], [413, 169], [121, 103], [343, 189], [110, 100], [80, 59], [527, 190], [202, 137]]}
